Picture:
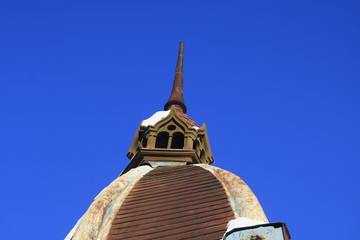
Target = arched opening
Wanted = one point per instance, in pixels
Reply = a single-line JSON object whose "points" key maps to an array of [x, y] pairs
{"points": [[196, 145], [162, 140], [144, 142], [177, 140]]}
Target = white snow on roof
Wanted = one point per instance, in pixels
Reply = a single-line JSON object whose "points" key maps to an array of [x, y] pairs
{"points": [[158, 116], [242, 222], [71, 233]]}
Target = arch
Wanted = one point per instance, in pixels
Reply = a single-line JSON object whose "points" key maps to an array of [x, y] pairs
{"points": [[196, 145], [162, 140], [177, 141], [144, 142]]}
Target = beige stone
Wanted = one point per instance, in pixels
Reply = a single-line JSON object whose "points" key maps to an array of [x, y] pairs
{"points": [[96, 222], [242, 200]]}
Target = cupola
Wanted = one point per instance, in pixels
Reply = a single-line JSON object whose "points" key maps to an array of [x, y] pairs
{"points": [[170, 137]]}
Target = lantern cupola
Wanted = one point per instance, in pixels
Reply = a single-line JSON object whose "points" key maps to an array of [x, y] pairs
{"points": [[170, 137]]}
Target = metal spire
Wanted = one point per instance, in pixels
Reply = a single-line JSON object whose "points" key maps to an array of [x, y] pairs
{"points": [[176, 97]]}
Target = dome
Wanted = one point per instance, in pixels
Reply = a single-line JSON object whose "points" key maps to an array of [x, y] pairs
{"points": [[168, 202], [170, 191]]}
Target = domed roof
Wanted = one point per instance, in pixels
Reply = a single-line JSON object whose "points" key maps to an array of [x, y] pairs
{"points": [[170, 202], [169, 190]]}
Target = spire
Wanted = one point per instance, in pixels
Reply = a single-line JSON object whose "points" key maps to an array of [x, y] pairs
{"points": [[176, 97]]}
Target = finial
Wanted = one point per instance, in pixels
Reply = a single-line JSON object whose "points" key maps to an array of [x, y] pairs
{"points": [[176, 97]]}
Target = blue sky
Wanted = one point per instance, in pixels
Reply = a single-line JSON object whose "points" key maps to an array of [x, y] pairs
{"points": [[277, 83]]}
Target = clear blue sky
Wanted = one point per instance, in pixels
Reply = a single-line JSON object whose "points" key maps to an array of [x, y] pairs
{"points": [[277, 83]]}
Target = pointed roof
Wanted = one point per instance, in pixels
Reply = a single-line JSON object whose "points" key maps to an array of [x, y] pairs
{"points": [[176, 97]]}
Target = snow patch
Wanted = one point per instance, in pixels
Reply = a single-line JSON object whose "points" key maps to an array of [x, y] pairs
{"points": [[71, 233], [158, 116], [206, 168], [242, 222], [195, 127]]}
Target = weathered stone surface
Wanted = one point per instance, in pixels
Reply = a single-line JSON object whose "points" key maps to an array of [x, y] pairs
{"points": [[261, 232], [242, 199], [96, 222]]}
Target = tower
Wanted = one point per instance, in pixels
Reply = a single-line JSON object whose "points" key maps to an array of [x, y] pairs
{"points": [[169, 190], [170, 136]]}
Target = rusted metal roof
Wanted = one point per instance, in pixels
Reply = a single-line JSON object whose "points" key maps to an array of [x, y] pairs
{"points": [[185, 117], [182, 202]]}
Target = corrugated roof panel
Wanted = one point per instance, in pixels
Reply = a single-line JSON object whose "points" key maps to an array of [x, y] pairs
{"points": [[182, 202]]}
